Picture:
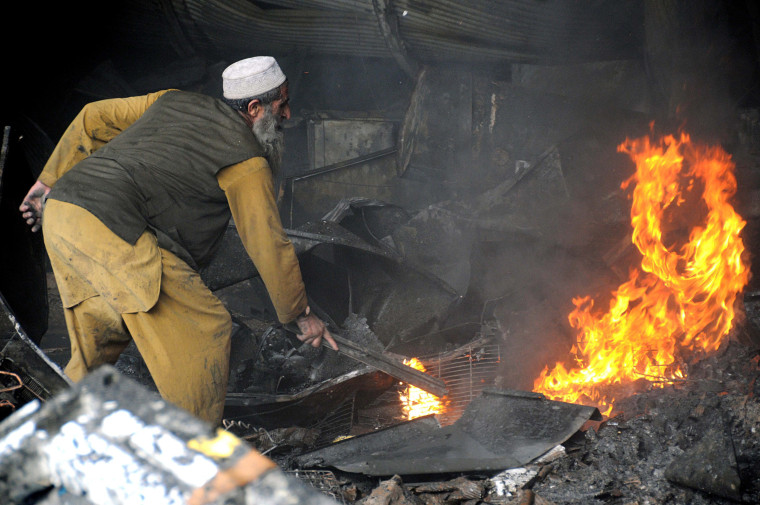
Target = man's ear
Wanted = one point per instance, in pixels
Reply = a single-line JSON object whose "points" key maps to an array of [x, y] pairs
{"points": [[254, 109]]}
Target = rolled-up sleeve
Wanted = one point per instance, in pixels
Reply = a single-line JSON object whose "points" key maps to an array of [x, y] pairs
{"points": [[250, 193]]}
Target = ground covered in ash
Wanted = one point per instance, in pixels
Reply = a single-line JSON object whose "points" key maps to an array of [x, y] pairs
{"points": [[695, 442]]}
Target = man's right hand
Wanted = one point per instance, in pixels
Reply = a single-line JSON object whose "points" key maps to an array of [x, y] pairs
{"points": [[313, 330], [31, 207]]}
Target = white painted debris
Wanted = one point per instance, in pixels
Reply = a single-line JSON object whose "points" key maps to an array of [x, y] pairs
{"points": [[509, 482]]}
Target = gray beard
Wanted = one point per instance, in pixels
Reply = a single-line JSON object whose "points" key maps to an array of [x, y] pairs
{"points": [[271, 137]]}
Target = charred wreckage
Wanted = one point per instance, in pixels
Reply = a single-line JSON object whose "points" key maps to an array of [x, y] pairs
{"points": [[542, 292]]}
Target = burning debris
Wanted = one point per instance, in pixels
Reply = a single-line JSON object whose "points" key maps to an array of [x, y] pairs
{"points": [[417, 402], [680, 304], [694, 441], [346, 427]]}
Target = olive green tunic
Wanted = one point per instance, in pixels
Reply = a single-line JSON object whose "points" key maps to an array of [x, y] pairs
{"points": [[246, 186]]}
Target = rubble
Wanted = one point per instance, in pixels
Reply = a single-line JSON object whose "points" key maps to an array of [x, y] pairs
{"points": [[479, 284], [108, 440], [389, 492], [286, 399], [634, 455], [710, 466], [26, 372]]}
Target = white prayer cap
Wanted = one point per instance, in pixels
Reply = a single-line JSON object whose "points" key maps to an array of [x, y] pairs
{"points": [[251, 77]]}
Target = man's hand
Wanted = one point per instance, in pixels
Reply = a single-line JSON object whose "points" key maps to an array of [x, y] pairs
{"points": [[313, 330], [31, 207]]}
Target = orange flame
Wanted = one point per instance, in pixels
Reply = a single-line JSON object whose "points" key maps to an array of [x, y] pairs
{"points": [[681, 300], [414, 401]]}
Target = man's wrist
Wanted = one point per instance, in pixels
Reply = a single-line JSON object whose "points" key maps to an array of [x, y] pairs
{"points": [[305, 313]]}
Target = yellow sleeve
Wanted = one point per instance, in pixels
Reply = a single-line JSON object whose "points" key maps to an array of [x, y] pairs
{"points": [[250, 193], [96, 124]]}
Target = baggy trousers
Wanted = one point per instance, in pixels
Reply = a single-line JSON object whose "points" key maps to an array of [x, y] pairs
{"points": [[114, 292]]}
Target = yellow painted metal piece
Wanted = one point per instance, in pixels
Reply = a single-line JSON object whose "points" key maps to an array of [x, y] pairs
{"points": [[221, 446]]}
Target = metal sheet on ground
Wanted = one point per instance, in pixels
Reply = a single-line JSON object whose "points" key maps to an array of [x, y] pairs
{"points": [[500, 429]]}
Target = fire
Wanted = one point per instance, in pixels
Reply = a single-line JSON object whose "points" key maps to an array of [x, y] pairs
{"points": [[680, 302], [416, 402]]}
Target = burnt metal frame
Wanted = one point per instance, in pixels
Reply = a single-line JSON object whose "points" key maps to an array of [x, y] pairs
{"points": [[332, 168]]}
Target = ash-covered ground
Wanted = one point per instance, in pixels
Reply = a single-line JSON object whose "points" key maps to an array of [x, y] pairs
{"points": [[695, 442]]}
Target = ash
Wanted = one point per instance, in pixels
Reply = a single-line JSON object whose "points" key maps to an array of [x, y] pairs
{"points": [[694, 442], [685, 443]]}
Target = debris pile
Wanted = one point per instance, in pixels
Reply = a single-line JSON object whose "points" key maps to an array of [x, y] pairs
{"points": [[107, 440], [695, 442]]}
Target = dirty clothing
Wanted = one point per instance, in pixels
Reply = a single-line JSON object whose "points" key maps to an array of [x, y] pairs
{"points": [[108, 283], [183, 336], [160, 173]]}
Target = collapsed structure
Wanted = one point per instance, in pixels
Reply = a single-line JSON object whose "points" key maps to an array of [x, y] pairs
{"points": [[448, 206]]}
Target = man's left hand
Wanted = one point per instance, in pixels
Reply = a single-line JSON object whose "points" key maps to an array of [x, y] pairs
{"points": [[31, 207]]}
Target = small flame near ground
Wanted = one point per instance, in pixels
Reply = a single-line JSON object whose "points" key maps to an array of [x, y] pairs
{"points": [[679, 305], [416, 402]]}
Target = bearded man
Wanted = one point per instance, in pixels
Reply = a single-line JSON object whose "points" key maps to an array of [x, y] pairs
{"points": [[137, 195]]}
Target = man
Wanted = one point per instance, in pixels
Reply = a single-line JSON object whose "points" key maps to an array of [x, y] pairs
{"points": [[142, 191]]}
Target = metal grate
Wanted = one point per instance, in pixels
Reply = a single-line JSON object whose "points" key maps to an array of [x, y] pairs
{"points": [[466, 372], [337, 424], [323, 481]]}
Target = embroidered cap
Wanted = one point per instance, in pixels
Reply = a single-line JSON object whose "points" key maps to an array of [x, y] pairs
{"points": [[251, 77]]}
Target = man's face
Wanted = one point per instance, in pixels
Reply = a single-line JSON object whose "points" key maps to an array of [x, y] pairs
{"points": [[266, 123], [279, 109], [268, 131], [281, 106]]}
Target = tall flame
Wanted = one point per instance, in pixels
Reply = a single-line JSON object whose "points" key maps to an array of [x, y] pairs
{"points": [[682, 299], [416, 402]]}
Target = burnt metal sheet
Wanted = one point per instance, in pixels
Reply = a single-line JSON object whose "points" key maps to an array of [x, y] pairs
{"points": [[23, 282], [345, 273], [306, 406], [444, 30], [500, 429], [41, 378], [359, 447], [312, 234], [232, 264]]}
